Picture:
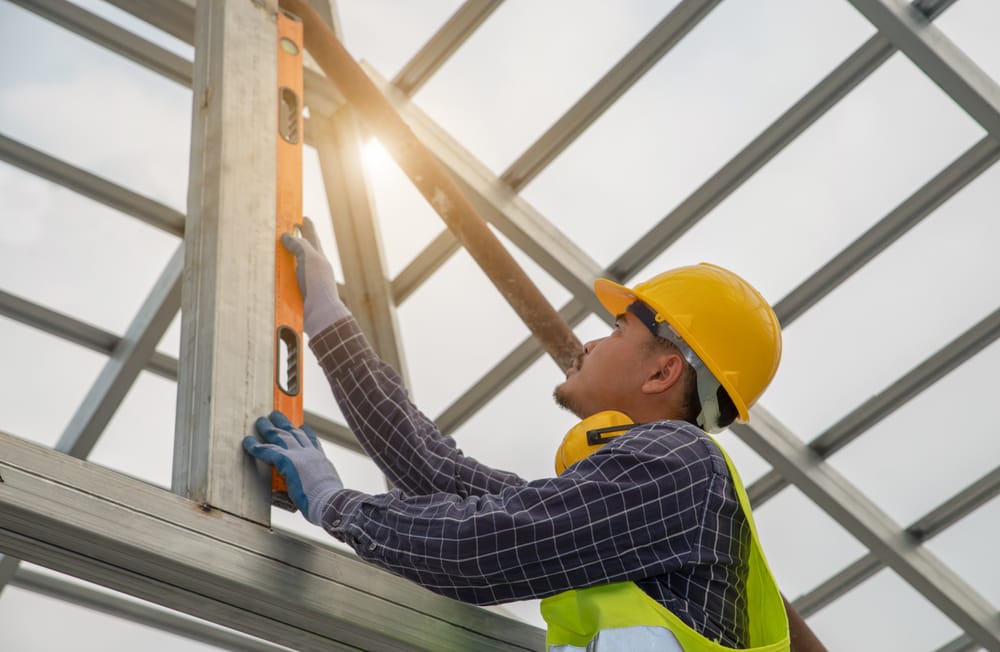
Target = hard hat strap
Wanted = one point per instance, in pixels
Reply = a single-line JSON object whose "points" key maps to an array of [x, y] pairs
{"points": [[708, 395], [708, 384]]}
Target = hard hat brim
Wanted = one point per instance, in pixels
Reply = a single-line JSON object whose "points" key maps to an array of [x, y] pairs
{"points": [[613, 296]]}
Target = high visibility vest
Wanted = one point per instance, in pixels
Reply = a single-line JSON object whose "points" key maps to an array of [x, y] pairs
{"points": [[621, 616]]}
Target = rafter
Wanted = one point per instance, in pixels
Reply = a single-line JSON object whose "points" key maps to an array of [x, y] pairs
{"points": [[910, 29], [871, 526], [92, 186], [436, 51], [923, 529]]}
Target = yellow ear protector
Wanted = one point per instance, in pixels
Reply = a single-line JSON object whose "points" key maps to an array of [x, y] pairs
{"points": [[590, 435]]}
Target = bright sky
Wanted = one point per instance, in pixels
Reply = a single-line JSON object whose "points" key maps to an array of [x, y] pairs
{"points": [[740, 69]]}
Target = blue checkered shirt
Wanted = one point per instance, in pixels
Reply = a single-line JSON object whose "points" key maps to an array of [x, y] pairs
{"points": [[655, 506]]}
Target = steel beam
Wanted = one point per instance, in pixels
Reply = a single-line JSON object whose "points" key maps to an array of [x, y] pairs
{"points": [[511, 365], [414, 74], [226, 371], [880, 406], [333, 432], [92, 186], [75, 331], [104, 527], [934, 522], [813, 105], [175, 17], [557, 138], [438, 188], [441, 248], [857, 67], [731, 176], [165, 366], [961, 643], [923, 202], [443, 44], [976, 160], [871, 526], [8, 569], [498, 203], [126, 361], [940, 59], [122, 368], [629, 69], [120, 371], [137, 612], [367, 291], [111, 36], [366, 288]]}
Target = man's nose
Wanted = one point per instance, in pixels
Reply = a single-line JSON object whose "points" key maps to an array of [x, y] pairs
{"points": [[589, 346]]}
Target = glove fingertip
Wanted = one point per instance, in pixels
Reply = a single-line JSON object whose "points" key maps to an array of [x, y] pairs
{"points": [[312, 436], [263, 452], [279, 419], [291, 243], [309, 233]]}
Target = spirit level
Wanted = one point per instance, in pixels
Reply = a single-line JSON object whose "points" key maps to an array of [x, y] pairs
{"points": [[287, 297]]}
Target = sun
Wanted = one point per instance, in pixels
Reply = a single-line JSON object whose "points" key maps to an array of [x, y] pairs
{"points": [[374, 155]]}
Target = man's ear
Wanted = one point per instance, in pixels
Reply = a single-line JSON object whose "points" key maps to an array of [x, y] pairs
{"points": [[666, 370]]}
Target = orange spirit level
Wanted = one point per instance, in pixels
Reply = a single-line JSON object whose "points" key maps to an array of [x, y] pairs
{"points": [[287, 297]]}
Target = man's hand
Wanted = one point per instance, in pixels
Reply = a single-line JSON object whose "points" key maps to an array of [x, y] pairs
{"points": [[322, 306], [298, 457], [801, 637]]}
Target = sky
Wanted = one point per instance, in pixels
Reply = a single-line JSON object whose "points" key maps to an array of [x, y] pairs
{"points": [[745, 64]]}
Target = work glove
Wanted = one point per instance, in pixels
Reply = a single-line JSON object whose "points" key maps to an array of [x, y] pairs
{"points": [[322, 306], [298, 457]]}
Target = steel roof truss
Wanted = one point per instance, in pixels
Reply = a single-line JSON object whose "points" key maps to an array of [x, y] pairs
{"points": [[832, 493]]}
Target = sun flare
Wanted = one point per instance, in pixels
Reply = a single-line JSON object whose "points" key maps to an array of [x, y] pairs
{"points": [[375, 156]]}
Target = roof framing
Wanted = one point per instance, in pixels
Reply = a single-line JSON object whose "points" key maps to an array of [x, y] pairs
{"points": [[43, 494], [90, 522]]}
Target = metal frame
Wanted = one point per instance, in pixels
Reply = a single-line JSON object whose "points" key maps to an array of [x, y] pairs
{"points": [[92, 186], [137, 612], [923, 529], [101, 341], [459, 27], [359, 245], [871, 526], [226, 371], [630, 69], [941, 60], [56, 511], [93, 523]]}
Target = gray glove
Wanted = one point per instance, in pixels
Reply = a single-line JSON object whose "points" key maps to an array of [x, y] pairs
{"points": [[298, 457], [322, 305]]}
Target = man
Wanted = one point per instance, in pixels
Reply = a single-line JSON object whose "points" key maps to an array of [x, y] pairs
{"points": [[643, 541]]}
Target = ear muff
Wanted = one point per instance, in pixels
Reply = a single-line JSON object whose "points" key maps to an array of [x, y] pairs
{"points": [[590, 435]]}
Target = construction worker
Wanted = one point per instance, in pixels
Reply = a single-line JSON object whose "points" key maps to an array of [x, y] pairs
{"points": [[644, 539]]}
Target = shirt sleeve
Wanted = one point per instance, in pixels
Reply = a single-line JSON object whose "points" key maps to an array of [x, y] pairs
{"points": [[635, 509], [406, 445]]}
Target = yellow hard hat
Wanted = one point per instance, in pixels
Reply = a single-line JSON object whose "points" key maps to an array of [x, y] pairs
{"points": [[724, 320]]}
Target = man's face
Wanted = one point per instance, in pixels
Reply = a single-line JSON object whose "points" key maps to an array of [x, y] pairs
{"points": [[610, 372]]}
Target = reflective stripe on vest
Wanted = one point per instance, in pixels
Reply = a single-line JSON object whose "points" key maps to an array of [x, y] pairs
{"points": [[588, 619], [633, 639]]}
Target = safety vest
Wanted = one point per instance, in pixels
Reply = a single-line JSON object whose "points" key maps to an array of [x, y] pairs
{"points": [[623, 617]]}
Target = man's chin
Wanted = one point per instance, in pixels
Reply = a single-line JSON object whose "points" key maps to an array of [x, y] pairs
{"points": [[564, 399], [559, 395]]}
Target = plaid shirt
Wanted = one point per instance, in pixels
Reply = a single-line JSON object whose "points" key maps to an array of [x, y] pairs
{"points": [[655, 506]]}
